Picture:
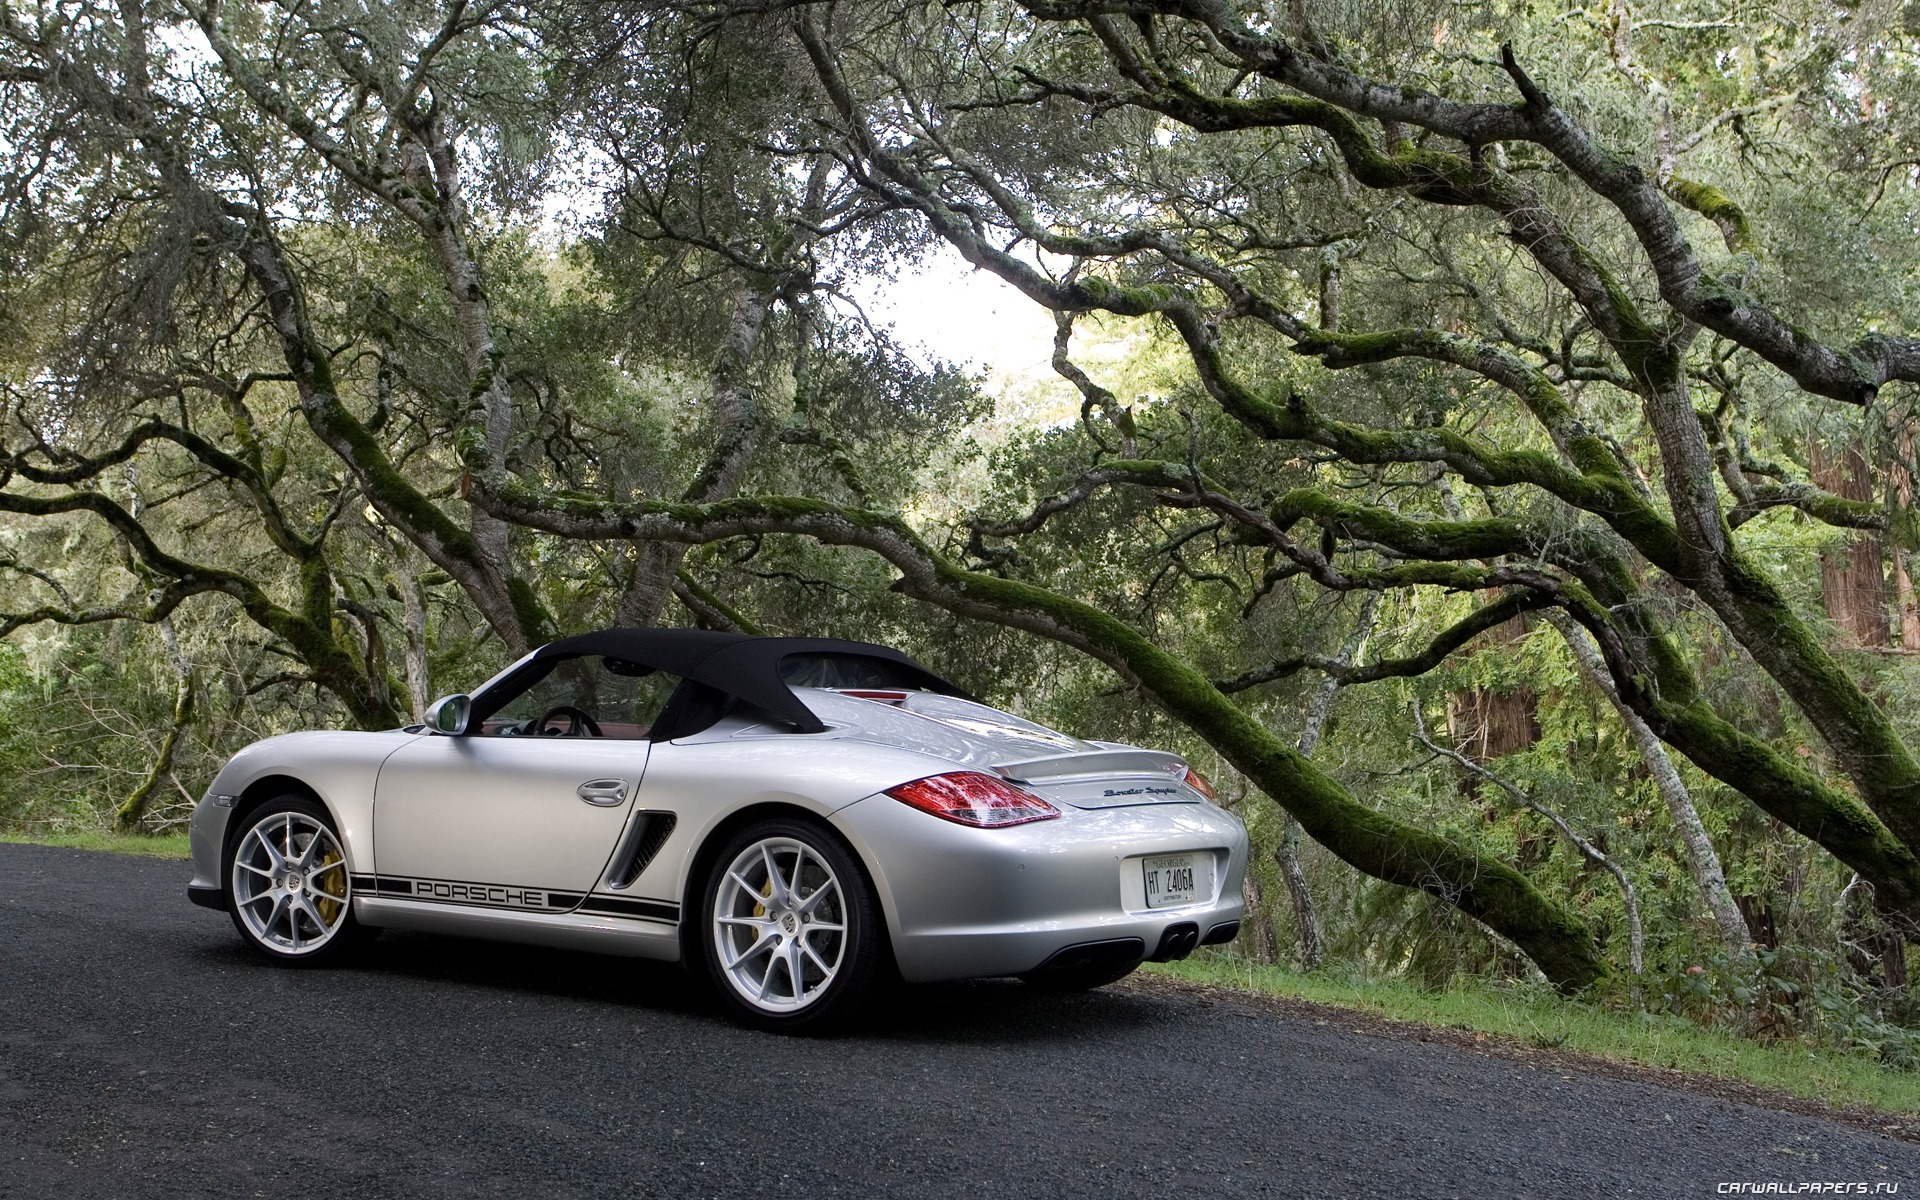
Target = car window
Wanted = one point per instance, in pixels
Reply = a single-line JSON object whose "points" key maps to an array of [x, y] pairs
{"points": [[847, 671], [586, 697]]}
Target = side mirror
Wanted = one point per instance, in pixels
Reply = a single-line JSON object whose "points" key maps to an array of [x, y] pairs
{"points": [[449, 715]]}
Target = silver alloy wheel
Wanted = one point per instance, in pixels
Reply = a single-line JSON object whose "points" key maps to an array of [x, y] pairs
{"points": [[779, 925], [290, 883]]}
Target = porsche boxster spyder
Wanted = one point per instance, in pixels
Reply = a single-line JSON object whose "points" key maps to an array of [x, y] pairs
{"points": [[798, 819]]}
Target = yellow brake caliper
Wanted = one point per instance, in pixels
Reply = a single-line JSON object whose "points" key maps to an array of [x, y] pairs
{"points": [[329, 909]]}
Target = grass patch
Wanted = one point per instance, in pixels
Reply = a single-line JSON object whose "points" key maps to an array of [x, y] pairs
{"points": [[164, 845], [1542, 1020]]}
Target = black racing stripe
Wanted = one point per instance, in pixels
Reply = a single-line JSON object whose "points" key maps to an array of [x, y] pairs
{"points": [[386, 883], [564, 899], [655, 910], [363, 882]]}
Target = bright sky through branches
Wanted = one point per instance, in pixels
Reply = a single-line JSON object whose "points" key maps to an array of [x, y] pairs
{"points": [[945, 309]]}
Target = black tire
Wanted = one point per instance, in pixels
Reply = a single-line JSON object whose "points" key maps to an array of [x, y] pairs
{"points": [[1079, 978], [302, 916], [824, 999]]}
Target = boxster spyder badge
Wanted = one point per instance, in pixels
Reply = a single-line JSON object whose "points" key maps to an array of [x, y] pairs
{"points": [[791, 817]]}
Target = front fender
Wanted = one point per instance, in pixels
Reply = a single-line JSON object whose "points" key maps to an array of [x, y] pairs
{"points": [[336, 767]]}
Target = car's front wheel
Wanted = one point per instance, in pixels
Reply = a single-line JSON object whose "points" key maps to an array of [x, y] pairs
{"points": [[288, 889], [791, 934]]}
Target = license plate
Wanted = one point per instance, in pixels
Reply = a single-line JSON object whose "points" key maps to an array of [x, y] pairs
{"points": [[1172, 880]]}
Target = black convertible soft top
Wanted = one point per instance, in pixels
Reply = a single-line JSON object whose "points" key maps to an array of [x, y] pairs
{"points": [[723, 671]]}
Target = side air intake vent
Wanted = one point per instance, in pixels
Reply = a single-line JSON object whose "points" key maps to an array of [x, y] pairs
{"points": [[648, 833]]}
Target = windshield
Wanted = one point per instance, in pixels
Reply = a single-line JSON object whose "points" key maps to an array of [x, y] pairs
{"points": [[588, 696]]}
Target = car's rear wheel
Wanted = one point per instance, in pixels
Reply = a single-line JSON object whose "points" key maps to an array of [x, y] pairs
{"points": [[790, 929], [288, 889]]}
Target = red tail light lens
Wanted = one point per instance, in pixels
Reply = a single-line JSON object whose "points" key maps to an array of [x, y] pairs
{"points": [[976, 799], [1198, 783]]}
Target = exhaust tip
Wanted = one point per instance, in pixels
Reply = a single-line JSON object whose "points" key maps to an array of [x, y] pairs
{"points": [[1177, 942]]}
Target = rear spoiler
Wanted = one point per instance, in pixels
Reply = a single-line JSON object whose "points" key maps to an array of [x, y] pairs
{"points": [[1095, 762]]}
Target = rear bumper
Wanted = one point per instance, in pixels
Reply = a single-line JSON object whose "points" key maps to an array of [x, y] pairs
{"points": [[206, 896], [1176, 942], [932, 954], [964, 903]]}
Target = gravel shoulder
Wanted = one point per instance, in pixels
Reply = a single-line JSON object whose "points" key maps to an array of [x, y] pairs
{"points": [[144, 1053]]}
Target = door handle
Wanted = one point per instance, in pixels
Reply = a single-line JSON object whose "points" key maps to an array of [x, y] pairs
{"points": [[604, 792]]}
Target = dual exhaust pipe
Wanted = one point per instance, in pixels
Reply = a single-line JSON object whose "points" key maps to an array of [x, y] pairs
{"points": [[1182, 938]]}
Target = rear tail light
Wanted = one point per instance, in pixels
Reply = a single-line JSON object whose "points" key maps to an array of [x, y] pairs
{"points": [[972, 798], [1198, 783]]}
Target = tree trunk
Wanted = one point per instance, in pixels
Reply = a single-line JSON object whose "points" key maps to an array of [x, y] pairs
{"points": [[419, 685], [1875, 948], [738, 424], [1253, 895], [1854, 591], [1487, 724], [1852, 579], [1287, 853], [1905, 602], [128, 816], [1306, 918], [1661, 685], [1708, 876], [1900, 493]]}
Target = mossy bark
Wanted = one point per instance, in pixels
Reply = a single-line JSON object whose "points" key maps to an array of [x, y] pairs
{"points": [[1655, 680], [1486, 889], [133, 809], [507, 603]]}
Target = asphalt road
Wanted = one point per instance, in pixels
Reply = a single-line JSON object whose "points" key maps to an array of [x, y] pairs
{"points": [[144, 1053]]}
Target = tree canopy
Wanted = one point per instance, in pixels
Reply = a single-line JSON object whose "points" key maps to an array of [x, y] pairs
{"points": [[1474, 429]]}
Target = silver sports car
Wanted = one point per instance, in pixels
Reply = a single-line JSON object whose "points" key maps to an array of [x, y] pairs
{"points": [[796, 818]]}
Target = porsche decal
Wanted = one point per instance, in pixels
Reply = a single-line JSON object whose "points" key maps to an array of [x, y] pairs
{"points": [[491, 895]]}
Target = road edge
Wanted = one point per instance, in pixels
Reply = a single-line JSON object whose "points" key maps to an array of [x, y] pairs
{"points": [[1900, 1126]]}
